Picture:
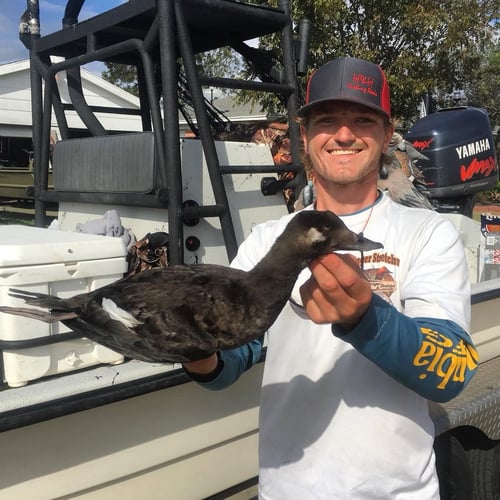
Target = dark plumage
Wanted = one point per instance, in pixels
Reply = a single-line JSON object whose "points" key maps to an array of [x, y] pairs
{"points": [[184, 313]]}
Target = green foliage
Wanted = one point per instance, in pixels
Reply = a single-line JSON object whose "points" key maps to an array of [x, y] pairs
{"points": [[484, 89], [423, 45], [123, 76]]}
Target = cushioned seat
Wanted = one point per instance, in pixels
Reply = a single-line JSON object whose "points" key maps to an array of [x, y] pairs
{"points": [[122, 163]]}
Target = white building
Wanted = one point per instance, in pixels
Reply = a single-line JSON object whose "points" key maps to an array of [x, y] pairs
{"points": [[15, 109], [15, 100]]}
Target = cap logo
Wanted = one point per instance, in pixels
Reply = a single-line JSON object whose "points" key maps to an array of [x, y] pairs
{"points": [[362, 83]]}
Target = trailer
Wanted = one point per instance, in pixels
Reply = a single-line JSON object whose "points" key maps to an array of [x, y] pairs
{"points": [[78, 420]]}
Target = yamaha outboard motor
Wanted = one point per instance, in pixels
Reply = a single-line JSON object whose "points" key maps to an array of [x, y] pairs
{"points": [[461, 161]]}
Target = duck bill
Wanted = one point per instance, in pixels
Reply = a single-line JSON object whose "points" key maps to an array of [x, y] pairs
{"points": [[362, 244]]}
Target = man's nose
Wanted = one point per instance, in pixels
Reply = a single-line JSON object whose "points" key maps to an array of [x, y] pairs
{"points": [[344, 133]]}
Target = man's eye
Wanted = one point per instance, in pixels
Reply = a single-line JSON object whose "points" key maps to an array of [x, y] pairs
{"points": [[327, 120], [365, 120]]}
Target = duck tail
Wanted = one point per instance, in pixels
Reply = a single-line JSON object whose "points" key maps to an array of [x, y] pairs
{"points": [[45, 316], [59, 311]]}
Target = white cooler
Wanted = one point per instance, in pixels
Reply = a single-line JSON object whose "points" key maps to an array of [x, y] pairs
{"points": [[59, 263]]}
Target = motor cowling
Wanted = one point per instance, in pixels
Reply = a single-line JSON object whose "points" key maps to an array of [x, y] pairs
{"points": [[461, 160]]}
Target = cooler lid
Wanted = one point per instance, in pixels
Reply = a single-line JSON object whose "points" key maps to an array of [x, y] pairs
{"points": [[26, 245]]}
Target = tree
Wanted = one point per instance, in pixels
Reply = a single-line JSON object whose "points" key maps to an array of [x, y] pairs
{"points": [[423, 46], [123, 76], [484, 88]]}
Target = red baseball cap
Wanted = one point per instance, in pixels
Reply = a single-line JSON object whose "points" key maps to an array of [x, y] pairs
{"points": [[348, 79]]}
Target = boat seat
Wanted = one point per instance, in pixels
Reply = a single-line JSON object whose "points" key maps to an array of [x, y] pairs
{"points": [[121, 163]]}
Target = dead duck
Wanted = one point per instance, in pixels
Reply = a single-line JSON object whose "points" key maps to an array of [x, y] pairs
{"points": [[184, 313]]}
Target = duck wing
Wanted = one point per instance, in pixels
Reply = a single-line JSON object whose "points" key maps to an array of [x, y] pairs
{"points": [[174, 314]]}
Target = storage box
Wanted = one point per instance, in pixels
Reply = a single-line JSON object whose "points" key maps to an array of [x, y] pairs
{"points": [[473, 241], [59, 263], [490, 229]]}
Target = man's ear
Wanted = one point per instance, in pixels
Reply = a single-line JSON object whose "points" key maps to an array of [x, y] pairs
{"points": [[303, 136], [389, 132]]}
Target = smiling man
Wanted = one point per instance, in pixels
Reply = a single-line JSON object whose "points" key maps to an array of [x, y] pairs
{"points": [[357, 352]]}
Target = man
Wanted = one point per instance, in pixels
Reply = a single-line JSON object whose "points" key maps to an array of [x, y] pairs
{"points": [[358, 349]]}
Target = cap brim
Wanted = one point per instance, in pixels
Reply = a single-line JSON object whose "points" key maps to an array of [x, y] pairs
{"points": [[305, 110]]}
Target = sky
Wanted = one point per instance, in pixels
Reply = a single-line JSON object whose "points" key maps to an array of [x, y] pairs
{"points": [[51, 14]]}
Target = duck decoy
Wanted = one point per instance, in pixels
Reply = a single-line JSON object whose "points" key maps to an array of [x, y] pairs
{"points": [[401, 177], [183, 313]]}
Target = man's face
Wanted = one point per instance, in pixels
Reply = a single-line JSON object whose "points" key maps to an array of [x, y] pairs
{"points": [[345, 142]]}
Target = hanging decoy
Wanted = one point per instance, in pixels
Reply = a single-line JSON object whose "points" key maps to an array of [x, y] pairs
{"points": [[401, 177]]}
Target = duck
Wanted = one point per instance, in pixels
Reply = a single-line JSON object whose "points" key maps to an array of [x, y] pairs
{"points": [[401, 177], [183, 313]]}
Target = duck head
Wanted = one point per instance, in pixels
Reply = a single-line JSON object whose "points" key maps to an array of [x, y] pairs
{"points": [[322, 232]]}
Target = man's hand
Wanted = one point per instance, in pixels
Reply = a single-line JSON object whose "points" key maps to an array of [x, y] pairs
{"points": [[202, 366], [337, 291]]}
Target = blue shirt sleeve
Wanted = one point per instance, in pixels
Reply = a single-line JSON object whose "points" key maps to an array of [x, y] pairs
{"points": [[234, 363], [433, 357]]}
